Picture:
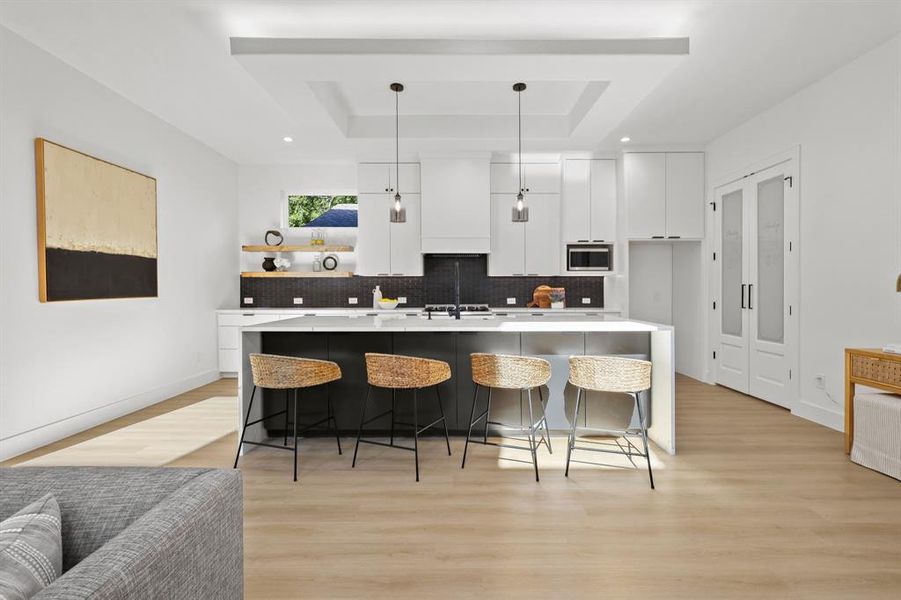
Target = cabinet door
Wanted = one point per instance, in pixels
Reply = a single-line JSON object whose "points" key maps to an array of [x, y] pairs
{"points": [[685, 194], [542, 178], [603, 200], [543, 234], [576, 201], [406, 242], [409, 178], [373, 178], [505, 178], [507, 238], [373, 234], [645, 180]]}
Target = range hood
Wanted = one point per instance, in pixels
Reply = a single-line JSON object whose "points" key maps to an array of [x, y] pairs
{"points": [[456, 203]]}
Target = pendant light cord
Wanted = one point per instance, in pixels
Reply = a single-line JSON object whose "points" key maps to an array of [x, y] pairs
{"points": [[397, 142], [519, 126]]}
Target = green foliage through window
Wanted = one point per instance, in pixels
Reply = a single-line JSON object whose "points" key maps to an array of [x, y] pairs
{"points": [[302, 210]]}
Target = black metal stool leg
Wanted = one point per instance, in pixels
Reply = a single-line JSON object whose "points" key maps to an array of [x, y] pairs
{"points": [[416, 430], [295, 434], [487, 417], [547, 431], [287, 395], [532, 435], [472, 413], [443, 420], [644, 438], [360, 430], [244, 429], [572, 434], [331, 417], [393, 406]]}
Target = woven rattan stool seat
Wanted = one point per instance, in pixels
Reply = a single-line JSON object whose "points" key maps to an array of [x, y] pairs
{"points": [[289, 372], [405, 372], [509, 372], [609, 373]]}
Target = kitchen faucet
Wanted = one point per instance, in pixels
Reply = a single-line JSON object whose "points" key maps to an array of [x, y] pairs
{"points": [[456, 310]]}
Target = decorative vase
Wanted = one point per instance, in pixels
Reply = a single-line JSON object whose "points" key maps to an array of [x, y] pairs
{"points": [[277, 235], [269, 263]]}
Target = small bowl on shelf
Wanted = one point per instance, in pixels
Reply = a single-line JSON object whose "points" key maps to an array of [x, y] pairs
{"points": [[387, 304]]}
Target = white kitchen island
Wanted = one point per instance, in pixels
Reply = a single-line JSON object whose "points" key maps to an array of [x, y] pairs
{"points": [[345, 339]]}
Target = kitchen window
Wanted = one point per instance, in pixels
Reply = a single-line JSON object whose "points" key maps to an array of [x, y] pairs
{"points": [[322, 211]]}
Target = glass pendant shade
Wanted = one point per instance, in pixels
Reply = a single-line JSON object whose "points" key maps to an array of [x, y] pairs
{"points": [[520, 210], [398, 212]]}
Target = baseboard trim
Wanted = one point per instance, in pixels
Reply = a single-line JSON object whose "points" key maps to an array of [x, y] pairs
{"points": [[26, 441], [819, 415]]}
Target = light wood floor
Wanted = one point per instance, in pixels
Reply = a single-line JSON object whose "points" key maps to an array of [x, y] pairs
{"points": [[757, 504]]}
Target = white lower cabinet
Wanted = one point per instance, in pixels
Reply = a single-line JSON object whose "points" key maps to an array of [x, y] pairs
{"points": [[530, 248]]}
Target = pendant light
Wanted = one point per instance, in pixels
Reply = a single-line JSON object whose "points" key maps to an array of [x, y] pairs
{"points": [[520, 210], [398, 212]]}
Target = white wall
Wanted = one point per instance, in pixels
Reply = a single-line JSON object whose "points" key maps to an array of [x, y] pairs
{"points": [[67, 366], [262, 192], [848, 126]]}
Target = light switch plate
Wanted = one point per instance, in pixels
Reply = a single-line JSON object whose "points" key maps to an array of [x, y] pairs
{"points": [[586, 300], [511, 301], [401, 299], [248, 300], [352, 300]]}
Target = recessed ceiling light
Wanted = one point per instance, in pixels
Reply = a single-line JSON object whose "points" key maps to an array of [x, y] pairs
{"points": [[625, 139], [288, 139]]}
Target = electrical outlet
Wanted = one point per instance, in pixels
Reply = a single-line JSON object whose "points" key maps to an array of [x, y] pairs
{"points": [[352, 300], [586, 300], [401, 299], [819, 380], [248, 300], [511, 301], [298, 301]]}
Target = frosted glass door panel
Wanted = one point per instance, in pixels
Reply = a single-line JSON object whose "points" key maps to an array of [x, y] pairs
{"points": [[769, 294], [733, 290]]}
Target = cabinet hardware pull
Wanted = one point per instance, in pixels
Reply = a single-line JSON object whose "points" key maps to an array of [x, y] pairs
{"points": [[743, 296], [386, 189], [657, 237], [597, 240], [581, 240], [675, 237], [750, 287]]}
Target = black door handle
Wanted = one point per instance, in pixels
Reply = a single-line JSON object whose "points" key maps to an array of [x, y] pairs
{"points": [[750, 287], [743, 296]]}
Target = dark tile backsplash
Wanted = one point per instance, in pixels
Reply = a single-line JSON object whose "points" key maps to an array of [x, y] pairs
{"points": [[434, 287]]}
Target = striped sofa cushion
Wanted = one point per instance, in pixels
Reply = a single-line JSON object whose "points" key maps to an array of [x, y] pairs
{"points": [[31, 549]]}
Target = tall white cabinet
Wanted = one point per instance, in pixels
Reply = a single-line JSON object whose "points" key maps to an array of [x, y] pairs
{"points": [[533, 247], [589, 200], [664, 194], [385, 248]]}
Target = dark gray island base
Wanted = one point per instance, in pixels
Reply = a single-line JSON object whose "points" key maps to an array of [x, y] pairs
{"points": [[345, 340]]}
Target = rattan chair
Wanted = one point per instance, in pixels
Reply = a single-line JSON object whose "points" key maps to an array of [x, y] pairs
{"points": [[611, 374], [403, 373], [290, 373], [523, 373]]}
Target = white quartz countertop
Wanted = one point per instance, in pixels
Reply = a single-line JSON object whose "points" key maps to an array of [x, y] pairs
{"points": [[398, 322], [403, 309]]}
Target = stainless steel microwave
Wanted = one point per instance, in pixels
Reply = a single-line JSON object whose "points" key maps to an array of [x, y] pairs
{"points": [[589, 257]]}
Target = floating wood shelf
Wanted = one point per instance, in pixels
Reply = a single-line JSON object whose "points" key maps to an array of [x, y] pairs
{"points": [[297, 274], [304, 248]]}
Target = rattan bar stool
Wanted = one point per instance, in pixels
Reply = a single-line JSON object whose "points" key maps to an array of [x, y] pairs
{"points": [[403, 373], [290, 373], [611, 374], [523, 373]]}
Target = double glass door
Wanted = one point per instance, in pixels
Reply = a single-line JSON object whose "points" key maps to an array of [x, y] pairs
{"points": [[756, 268]]}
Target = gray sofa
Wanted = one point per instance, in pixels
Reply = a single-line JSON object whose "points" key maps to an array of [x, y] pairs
{"points": [[139, 532]]}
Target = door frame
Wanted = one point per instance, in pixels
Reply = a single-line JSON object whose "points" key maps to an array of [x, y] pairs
{"points": [[792, 266]]}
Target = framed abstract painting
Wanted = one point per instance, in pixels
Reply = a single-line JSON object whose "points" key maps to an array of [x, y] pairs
{"points": [[97, 227]]}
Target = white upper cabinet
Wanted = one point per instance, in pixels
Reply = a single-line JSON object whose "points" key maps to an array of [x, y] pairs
{"points": [[507, 238], [603, 200], [537, 178], [542, 236], [375, 178], [685, 194], [589, 201], [406, 251], [665, 194], [373, 234], [576, 200], [645, 183]]}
